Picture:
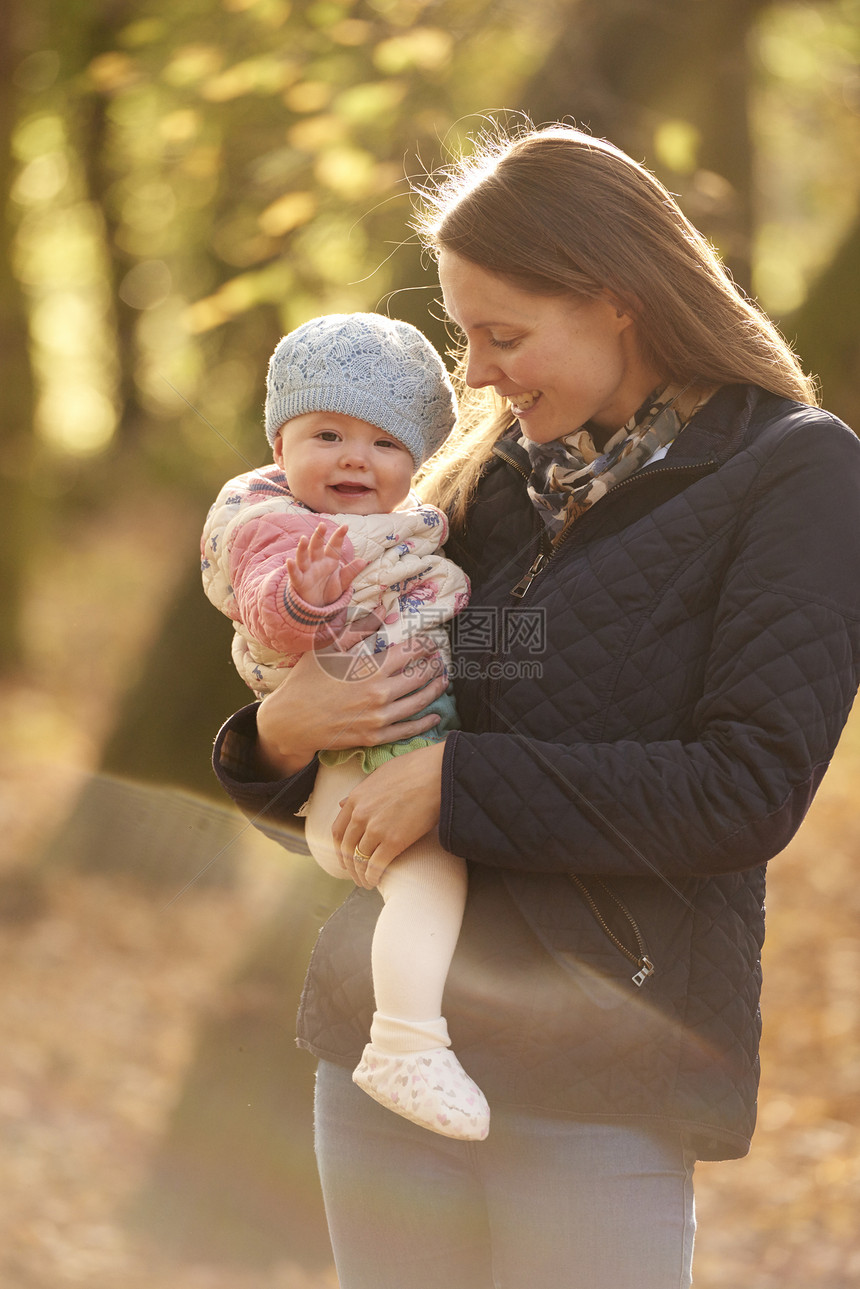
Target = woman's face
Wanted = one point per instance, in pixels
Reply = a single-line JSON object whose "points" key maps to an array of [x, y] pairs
{"points": [[559, 360]]}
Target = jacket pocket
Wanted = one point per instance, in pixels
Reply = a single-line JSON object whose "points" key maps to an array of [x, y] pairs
{"points": [[567, 927], [618, 925]]}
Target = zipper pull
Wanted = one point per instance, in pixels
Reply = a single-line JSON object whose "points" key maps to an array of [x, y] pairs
{"points": [[526, 580], [646, 969]]}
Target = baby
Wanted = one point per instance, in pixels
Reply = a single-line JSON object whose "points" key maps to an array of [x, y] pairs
{"points": [[329, 544]]}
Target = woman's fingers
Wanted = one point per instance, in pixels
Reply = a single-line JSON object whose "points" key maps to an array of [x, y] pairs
{"points": [[361, 866], [413, 662], [316, 707], [393, 702], [362, 858], [387, 812], [347, 836]]}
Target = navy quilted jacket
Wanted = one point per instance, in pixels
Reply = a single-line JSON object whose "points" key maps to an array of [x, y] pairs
{"points": [[642, 730]]}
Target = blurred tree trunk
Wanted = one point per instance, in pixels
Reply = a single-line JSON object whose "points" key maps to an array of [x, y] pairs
{"points": [[136, 816], [101, 27], [164, 728], [76, 32], [16, 379], [234, 1179], [623, 69], [826, 330], [187, 687]]}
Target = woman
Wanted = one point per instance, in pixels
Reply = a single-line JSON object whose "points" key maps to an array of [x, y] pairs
{"points": [[661, 519]]}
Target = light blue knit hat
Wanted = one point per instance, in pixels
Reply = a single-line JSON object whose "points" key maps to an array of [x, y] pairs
{"points": [[379, 369]]}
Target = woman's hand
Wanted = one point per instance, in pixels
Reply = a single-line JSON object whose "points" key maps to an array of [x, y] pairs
{"points": [[323, 703], [388, 811]]}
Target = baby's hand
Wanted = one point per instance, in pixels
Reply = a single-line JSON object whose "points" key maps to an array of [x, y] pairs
{"points": [[315, 570]]}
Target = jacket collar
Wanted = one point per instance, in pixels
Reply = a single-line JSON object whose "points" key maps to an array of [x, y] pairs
{"points": [[720, 429], [714, 434]]}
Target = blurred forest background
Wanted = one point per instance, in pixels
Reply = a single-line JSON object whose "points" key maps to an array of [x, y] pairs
{"points": [[187, 180]]}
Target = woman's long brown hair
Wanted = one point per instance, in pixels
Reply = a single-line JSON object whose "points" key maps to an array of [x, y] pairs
{"points": [[556, 211]]}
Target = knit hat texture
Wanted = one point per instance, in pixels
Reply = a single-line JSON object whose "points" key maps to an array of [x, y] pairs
{"points": [[378, 369]]}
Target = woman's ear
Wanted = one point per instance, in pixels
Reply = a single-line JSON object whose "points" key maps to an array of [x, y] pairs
{"points": [[625, 314], [621, 307]]}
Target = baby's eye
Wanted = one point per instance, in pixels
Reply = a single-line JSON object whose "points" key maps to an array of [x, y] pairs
{"points": [[388, 443], [329, 436]]}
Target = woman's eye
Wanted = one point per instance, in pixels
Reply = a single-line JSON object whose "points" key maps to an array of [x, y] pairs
{"points": [[502, 344]]}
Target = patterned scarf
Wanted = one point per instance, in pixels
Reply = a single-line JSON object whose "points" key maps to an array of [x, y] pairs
{"points": [[569, 475]]}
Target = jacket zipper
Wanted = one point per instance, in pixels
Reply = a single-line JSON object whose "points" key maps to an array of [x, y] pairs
{"points": [[641, 959], [545, 553], [550, 549]]}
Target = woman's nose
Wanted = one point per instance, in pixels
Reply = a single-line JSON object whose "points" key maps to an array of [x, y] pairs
{"points": [[481, 370]]}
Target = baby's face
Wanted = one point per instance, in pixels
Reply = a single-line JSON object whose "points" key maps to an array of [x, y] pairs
{"points": [[339, 465]]}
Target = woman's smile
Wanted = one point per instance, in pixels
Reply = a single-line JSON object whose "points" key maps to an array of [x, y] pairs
{"points": [[522, 404]]}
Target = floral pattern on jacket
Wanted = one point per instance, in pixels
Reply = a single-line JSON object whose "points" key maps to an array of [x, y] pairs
{"points": [[255, 525]]}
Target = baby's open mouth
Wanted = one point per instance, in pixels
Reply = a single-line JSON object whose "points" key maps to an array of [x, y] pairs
{"points": [[351, 489]]}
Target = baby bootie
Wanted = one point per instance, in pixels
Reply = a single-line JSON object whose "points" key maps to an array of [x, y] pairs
{"points": [[430, 1088]]}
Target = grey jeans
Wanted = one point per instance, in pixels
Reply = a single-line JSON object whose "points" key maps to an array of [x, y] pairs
{"points": [[546, 1202]]}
